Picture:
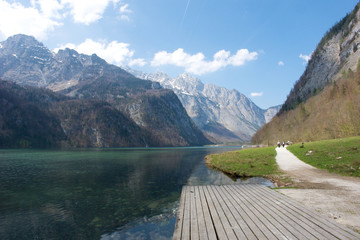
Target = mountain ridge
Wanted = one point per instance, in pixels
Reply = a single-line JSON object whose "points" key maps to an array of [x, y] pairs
{"points": [[225, 115], [95, 85]]}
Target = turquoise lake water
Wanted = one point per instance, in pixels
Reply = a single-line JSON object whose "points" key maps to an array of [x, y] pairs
{"points": [[99, 193]]}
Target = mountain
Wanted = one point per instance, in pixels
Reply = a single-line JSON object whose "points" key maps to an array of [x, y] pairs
{"points": [[271, 112], [25, 119], [325, 101], [102, 97], [37, 117], [332, 113], [26, 61], [336, 53], [224, 115]]}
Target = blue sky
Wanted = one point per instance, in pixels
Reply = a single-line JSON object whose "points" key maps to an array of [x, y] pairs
{"points": [[251, 46]]}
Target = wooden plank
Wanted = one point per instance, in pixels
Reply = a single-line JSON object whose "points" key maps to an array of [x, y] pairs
{"points": [[194, 229], [327, 224], [311, 226], [227, 206], [186, 222], [241, 217], [248, 219], [220, 231], [210, 229], [304, 226], [288, 221], [272, 216], [266, 227], [284, 219], [261, 215], [255, 225], [200, 215], [223, 213], [180, 216]]}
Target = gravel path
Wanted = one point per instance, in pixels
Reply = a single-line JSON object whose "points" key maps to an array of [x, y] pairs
{"points": [[332, 195]]}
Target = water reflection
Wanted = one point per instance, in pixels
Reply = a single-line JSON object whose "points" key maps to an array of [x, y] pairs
{"points": [[162, 226], [203, 175], [93, 194]]}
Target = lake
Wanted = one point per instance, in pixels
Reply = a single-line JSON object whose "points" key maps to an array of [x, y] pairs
{"points": [[99, 193]]}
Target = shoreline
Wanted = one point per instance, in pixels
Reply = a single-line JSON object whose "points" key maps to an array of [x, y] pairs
{"points": [[331, 195]]}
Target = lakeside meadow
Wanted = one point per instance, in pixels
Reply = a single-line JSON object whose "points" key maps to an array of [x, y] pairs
{"points": [[252, 162], [341, 156]]}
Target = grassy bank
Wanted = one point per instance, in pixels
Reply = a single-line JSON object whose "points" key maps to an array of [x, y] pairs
{"points": [[252, 162], [341, 156]]}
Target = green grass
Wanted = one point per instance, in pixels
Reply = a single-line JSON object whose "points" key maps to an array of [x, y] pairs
{"points": [[253, 162], [341, 156]]}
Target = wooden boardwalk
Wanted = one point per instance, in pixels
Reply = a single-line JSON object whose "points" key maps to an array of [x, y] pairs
{"points": [[250, 212]]}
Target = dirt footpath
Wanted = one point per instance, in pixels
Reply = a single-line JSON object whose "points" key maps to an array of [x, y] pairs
{"points": [[334, 196]]}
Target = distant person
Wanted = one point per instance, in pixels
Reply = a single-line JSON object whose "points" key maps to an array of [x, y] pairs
{"points": [[278, 143], [283, 144]]}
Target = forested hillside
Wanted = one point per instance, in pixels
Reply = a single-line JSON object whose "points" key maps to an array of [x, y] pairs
{"points": [[333, 113]]}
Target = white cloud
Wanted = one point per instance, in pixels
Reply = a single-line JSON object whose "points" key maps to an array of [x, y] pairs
{"points": [[281, 63], [306, 58], [85, 11], [256, 94], [197, 64], [139, 61], [125, 17], [42, 16], [124, 12], [15, 18], [242, 56], [125, 9], [117, 53], [49, 8]]}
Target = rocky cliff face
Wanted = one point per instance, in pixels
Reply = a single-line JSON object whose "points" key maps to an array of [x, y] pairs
{"points": [[336, 53], [271, 112], [105, 98], [225, 115]]}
